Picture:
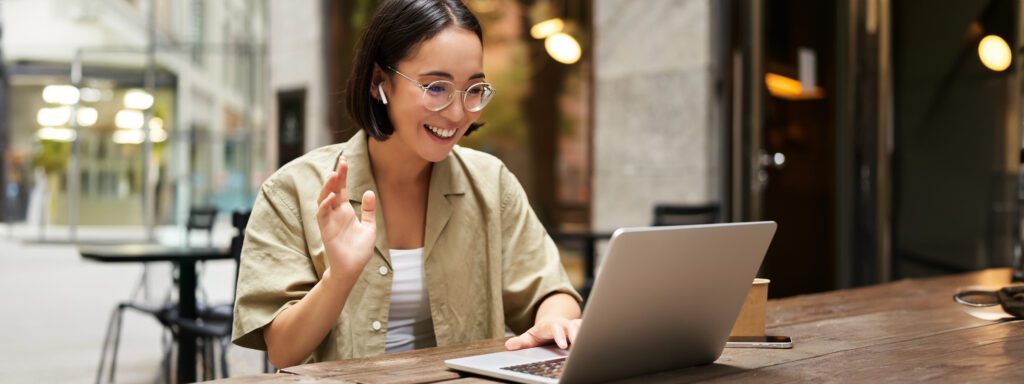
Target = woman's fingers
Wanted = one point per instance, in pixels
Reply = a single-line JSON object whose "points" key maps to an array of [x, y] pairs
{"points": [[329, 186], [369, 207], [558, 333], [342, 177], [334, 193], [333, 180], [526, 340], [325, 205], [563, 333], [571, 329]]}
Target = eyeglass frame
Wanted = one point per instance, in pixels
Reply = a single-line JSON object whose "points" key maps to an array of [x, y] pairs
{"points": [[451, 99]]}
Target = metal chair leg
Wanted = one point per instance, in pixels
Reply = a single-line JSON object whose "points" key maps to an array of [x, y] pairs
{"points": [[165, 360], [106, 342], [224, 344], [205, 356], [213, 357], [210, 368], [172, 354], [206, 359], [117, 343]]}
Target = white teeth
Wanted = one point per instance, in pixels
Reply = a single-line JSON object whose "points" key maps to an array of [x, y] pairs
{"points": [[441, 132]]}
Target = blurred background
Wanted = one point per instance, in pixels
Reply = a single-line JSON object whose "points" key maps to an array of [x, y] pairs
{"points": [[884, 136]]}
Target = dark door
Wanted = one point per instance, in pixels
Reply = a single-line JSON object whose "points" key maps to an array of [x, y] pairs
{"points": [[291, 125], [781, 134], [796, 162]]}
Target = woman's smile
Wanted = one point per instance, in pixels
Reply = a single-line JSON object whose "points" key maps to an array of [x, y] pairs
{"points": [[442, 134]]}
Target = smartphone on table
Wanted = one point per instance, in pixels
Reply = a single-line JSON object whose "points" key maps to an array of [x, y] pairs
{"points": [[777, 342]]}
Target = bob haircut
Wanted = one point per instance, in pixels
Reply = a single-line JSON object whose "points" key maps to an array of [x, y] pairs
{"points": [[397, 26]]}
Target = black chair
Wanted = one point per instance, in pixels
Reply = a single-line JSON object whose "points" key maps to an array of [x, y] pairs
{"points": [[668, 214], [202, 219], [161, 312], [213, 323]]}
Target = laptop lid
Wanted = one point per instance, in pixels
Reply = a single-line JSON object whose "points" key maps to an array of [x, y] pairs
{"points": [[665, 298]]}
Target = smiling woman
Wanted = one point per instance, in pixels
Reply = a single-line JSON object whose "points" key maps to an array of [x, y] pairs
{"points": [[420, 109], [399, 239]]}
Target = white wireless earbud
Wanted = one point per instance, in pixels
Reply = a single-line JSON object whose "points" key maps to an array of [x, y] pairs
{"points": [[380, 90]]}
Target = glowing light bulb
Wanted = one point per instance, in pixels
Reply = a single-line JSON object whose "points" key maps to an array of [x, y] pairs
{"points": [[547, 28], [995, 53], [563, 48], [138, 99]]}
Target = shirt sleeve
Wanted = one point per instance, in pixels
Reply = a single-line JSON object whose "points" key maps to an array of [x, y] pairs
{"points": [[275, 270], [532, 268]]}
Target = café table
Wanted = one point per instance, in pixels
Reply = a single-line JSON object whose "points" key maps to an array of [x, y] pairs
{"points": [[906, 331], [185, 258]]}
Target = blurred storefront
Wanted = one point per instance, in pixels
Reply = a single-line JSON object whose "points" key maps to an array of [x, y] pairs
{"points": [[193, 79], [109, 138]]}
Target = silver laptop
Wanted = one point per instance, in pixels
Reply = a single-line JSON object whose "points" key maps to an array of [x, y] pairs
{"points": [[665, 298]]}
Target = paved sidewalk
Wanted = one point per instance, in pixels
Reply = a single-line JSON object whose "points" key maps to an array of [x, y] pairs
{"points": [[57, 305]]}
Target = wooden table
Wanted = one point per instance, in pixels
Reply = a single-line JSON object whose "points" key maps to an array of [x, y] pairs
{"points": [[185, 258], [910, 330]]}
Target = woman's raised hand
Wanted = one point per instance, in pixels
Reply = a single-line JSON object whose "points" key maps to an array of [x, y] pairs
{"points": [[348, 241]]}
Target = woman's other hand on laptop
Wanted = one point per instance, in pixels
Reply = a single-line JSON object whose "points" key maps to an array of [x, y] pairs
{"points": [[558, 320], [561, 330]]}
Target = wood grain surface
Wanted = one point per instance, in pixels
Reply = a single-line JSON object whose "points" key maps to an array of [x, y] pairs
{"points": [[905, 331]]}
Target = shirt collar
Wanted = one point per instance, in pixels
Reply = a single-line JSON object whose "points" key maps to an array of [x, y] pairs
{"points": [[447, 179]]}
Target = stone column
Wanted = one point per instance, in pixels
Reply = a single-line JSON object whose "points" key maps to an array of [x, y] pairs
{"points": [[653, 137]]}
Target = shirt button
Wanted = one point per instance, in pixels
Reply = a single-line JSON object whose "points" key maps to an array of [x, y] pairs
{"points": [[375, 325], [383, 270]]}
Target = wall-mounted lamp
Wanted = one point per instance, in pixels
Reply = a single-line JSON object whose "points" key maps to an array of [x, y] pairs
{"points": [[563, 48], [547, 28], [60, 94], [138, 99], [129, 119], [557, 34], [53, 117], [995, 53], [789, 88], [60, 116], [87, 116]]}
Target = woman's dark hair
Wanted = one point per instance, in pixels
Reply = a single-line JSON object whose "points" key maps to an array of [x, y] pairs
{"points": [[396, 27]]}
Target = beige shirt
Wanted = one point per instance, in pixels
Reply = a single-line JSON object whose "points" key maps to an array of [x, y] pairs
{"points": [[488, 262]]}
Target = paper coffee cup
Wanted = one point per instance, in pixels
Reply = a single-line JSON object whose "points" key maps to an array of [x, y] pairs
{"points": [[750, 322]]}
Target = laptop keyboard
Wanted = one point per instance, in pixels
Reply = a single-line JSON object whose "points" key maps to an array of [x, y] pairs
{"points": [[548, 368]]}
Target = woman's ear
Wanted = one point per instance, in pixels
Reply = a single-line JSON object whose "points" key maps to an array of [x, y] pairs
{"points": [[377, 84]]}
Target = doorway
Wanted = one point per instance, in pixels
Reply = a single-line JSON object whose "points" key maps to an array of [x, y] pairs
{"points": [[779, 91], [796, 163], [291, 125]]}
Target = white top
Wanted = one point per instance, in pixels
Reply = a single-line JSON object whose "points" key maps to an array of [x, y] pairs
{"points": [[409, 322]]}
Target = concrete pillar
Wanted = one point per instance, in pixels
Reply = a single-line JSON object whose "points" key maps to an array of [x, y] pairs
{"points": [[653, 137]]}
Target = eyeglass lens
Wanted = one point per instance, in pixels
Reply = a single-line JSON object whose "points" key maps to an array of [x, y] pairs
{"points": [[439, 94]]}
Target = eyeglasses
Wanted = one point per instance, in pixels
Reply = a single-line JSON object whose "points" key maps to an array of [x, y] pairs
{"points": [[440, 94]]}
